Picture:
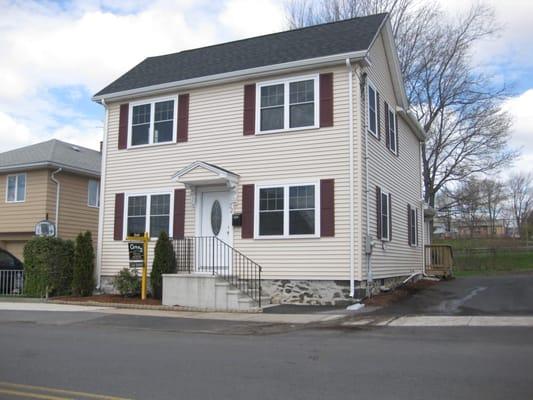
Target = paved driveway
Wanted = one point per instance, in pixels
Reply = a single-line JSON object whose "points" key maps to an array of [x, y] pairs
{"points": [[502, 295]]}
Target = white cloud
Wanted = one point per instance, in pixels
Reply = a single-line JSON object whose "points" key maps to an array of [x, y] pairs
{"points": [[252, 18], [522, 131]]}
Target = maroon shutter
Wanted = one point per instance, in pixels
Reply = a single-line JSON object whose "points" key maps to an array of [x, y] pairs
{"points": [[119, 217], [409, 239], [247, 230], [390, 216], [327, 207], [178, 228], [387, 125], [326, 100], [378, 211], [123, 126], [249, 110], [183, 118], [378, 112]]}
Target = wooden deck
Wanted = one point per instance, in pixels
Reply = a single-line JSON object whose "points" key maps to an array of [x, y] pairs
{"points": [[439, 260]]}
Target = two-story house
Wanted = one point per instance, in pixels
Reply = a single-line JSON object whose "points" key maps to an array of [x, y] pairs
{"points": [[54, 181], [295, 151]]}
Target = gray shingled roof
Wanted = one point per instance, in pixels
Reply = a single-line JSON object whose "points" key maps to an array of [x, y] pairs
{"points": [[346, 36], [53, 153]]}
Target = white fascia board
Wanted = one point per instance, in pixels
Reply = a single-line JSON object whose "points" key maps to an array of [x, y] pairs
{"points": [[47, 164], [396, 71], [413, 123], [234, 76]]}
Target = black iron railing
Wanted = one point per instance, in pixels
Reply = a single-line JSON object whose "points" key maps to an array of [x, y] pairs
{"points": [[209, 254]]}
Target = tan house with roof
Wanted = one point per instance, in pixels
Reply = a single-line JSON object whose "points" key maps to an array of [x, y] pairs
{"points": [[54, 181], [291, 155]]}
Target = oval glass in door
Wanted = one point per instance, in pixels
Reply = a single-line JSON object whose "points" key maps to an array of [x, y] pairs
{"points": [[216, 217]]}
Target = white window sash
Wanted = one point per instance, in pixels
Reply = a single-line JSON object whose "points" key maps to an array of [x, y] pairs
{"points": [[16, 189], [149, 195]]}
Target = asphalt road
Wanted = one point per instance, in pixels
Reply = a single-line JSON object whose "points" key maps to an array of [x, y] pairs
{"points": [[172, 358]]}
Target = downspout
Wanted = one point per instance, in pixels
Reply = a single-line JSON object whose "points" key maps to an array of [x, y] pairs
{"points": [[423, 216], [100, 240], [351, 174], [58, 190]]}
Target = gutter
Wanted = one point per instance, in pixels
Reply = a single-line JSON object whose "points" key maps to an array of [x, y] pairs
{"points": [[351, 174], [413, 123], [232, 76], [49, 164], [58, 191], [100, 240]]}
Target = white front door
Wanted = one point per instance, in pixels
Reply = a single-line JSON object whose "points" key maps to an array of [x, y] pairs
{"points": [[215, 222]]}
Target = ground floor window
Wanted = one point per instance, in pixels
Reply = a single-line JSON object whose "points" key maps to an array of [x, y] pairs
{"points": [[287, 210], [148, 213]]}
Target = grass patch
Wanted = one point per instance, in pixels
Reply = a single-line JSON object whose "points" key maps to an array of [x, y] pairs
{"points": [[485, 243], [497, 262]]}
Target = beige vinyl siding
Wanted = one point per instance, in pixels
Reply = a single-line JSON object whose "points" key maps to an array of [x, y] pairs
{"points": [[216, 137], [398, 175], [22, 217]]}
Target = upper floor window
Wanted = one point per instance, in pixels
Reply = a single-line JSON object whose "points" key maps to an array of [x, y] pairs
{"points": [[372, 111], [288, 104], [148, 213], [412, 225], [153, 122], [392, 130], [288, 210], [93, 193], [16, 188]]}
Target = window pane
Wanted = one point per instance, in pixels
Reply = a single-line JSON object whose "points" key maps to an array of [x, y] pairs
{"points": [[21, 187], [371, 109], [302, 115], [136, 226], [392, 132], [271, 199], [163, 131], [302, 197], [158, 224], [160, 204], [302, 222], [164, 110], [271, 223], [385, 215], [139, 134], [164, 121], [141, 114], [136, 215], [93, 193], [272, 95], [301, 92], [271, 118], [11, 184]]}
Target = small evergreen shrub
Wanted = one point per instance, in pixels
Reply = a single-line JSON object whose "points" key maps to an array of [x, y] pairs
{"points": [[48, 265], [83, 276], [164, 263], [127, 283]]}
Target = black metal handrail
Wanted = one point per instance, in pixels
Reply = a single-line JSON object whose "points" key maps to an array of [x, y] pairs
{"points": [[209, 254]]}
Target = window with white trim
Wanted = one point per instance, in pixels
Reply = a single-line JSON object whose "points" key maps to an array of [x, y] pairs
{"points": [[413, 226], [93, 193], [288, 104], [385, 216], [289, 210], [393, 130], [152, 122], [372, 110], [148, 213], [16, 188]]}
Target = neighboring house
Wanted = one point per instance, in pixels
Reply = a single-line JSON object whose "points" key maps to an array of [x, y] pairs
{"points": [[53, 181], [301, 138]]}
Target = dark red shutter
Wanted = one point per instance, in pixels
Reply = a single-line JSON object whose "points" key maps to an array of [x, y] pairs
{"points": [[378, 211], [183, 118], [409, 239], [390, 216], [119, 216], [178, 229], [326, 100], [123, 126], [249, 109], [327, 207], [247, 229], [387, 125], [378, 112]]}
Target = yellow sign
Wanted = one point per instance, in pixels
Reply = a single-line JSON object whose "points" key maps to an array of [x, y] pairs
{"points": [[135, 252]]}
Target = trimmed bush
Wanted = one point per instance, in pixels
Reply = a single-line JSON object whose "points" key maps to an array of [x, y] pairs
{"points": [[127, 283], [48, 265], [83, 277], [164, 263]]}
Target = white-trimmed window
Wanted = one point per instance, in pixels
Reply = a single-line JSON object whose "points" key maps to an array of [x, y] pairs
{"points": [[148, 212], [413, 225], [152, 122], [93, 193], [288, 104], [393, 130], [287, 210], [372, 109], [16, 188]]}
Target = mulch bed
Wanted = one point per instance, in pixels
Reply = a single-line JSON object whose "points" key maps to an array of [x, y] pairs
{"points": [[110, 298], [387, 298]]}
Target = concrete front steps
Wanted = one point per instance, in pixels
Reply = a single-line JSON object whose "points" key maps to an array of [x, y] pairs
{"points": [[207, 292]]}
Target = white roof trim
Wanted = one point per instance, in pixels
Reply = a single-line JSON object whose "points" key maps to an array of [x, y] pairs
{"points": [[48, 164], [413, 123], [221, 173]]}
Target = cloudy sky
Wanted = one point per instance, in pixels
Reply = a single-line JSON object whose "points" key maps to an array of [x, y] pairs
{"points": [[55, 54]]}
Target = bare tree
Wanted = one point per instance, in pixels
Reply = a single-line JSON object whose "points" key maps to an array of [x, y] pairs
{"points": [[494, 196], [521, 192], [468, 201], [456, 104]]}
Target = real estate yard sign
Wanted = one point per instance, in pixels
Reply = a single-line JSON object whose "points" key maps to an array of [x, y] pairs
{"points": [[138, 254]]}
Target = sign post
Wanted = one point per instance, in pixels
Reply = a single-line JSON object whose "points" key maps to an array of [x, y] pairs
{"points": [[138, 253]]}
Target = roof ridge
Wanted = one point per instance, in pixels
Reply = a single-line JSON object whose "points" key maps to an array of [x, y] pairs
{"points": [[269, 34]]}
